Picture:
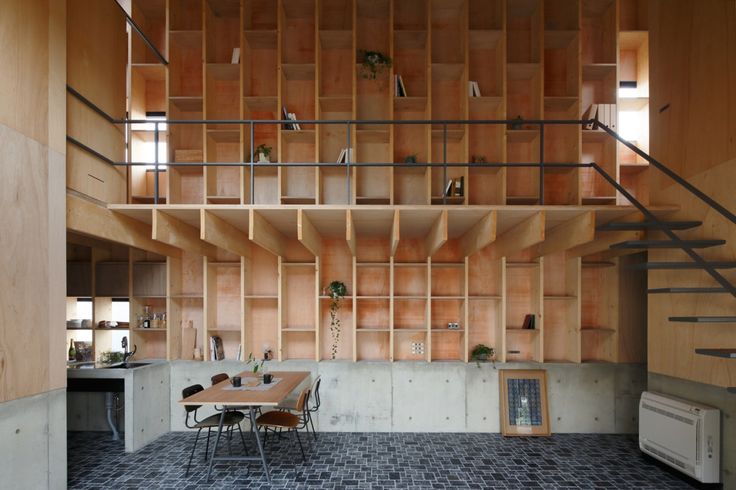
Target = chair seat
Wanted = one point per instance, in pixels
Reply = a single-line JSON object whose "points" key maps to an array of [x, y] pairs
{"points": [[284, 420], [231, 418]]}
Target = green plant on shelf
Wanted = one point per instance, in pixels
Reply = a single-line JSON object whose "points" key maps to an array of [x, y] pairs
{"points": [[374, 62], [482, 353], [263, 152], [410, 158], [336, 291]]}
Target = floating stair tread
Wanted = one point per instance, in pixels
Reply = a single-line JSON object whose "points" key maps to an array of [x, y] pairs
{"points": [[727, 353], [686, 290], [681, 265], [648, 225], [703, 319], [667, 244]]}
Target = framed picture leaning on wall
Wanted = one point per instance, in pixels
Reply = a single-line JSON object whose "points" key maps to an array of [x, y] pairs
{"points": [[524, 410]]}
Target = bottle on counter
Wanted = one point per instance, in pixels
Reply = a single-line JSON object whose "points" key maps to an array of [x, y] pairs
{"points": [[72, 351]]}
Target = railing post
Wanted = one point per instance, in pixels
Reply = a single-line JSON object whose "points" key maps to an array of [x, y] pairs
{"points": [[252, 168], [347, 164], [444, 164], [155, 164], [541, 163]]}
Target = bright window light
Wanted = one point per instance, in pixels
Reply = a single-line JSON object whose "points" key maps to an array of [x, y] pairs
{"points": [[628, 93], [84, 309], [120, 311], [630, 125]]}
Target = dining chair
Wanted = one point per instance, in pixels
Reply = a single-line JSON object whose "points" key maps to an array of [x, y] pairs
{"points": [[312, 407], [284, 420], [232, 419]]}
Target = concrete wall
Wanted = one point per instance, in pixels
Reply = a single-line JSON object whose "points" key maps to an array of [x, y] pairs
{"points": [[713, 396], [444, 397], [33, 438]]}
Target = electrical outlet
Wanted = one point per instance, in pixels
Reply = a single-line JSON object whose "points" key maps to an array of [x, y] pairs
{"points": [[417, 348]]}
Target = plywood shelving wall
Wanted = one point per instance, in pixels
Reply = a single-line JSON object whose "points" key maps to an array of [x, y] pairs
{"points": [[533, 59]]}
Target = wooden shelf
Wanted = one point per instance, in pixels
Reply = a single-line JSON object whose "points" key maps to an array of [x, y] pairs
{"points": [[410, 104], [298, 136], [336, 39], [298, 71], [448, 71]]}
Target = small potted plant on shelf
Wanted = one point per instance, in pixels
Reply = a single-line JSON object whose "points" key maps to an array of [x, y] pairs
{"points": [[478, 159], [336, 290], [263, 152], [411, 158], [374, 62], [482, 353]]}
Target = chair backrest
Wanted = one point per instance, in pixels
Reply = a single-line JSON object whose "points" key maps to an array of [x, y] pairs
{"points": [[189, 391], [315, 392], [219, 378], [301, 402]]}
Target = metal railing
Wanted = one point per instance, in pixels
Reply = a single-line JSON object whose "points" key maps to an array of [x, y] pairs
{"points": [[444, 165]]}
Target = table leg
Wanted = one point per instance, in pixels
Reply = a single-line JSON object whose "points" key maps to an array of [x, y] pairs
{"points": [[217, 442], [254, 427]]}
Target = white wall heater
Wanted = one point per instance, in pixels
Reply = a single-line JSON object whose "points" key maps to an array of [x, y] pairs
{"points": [[682, 434]]}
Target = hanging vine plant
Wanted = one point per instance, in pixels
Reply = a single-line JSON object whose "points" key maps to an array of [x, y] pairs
{"points": [[336, 291], [374, 62]]}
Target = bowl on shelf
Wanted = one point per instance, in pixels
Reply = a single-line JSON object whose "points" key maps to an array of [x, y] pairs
{"points": [[76, 323]]}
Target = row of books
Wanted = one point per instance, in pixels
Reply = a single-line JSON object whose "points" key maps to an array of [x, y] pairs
{"points": [[292, 117], [528, 322], [217, 350], [606, 114], [345, 154], [400, 88], [455, 187]]}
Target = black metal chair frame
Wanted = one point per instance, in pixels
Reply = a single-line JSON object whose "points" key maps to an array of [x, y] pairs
{"points": [[192, 409]]}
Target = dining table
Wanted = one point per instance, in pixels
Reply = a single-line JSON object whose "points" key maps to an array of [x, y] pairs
{"points": [[252, 394]]}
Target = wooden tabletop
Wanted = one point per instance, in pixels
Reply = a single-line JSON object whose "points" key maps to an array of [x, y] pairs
{"points": [[218, 395]]}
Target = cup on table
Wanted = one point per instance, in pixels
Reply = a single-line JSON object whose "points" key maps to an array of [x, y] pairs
{"points": [[236, 381], [267, 378]]}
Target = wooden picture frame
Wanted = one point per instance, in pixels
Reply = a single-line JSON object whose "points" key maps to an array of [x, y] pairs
{"points": [[524, 409]]}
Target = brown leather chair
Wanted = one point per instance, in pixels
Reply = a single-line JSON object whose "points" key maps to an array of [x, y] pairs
{"points": [[279, 420], [232, 419]]}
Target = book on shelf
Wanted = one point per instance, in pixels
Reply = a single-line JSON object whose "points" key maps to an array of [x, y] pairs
{"points": [[592, 113], [528, 322], [606, 114], [473, 89], [455, 187], [399, 87], [459, 189], [239, 357], [285, 113], [290, 116], [296, 126], [235, 58], [217, 351], [345, 156]]}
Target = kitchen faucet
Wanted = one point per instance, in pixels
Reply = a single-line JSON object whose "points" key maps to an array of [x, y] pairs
{"points": [[127, 355]]}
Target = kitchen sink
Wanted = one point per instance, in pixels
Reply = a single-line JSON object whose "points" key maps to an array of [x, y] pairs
{"points": [[129, 365]]}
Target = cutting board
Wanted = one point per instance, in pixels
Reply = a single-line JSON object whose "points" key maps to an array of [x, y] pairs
{"points": [[188, 341]]}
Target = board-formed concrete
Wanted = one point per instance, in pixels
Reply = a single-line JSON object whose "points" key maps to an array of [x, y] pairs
{"points": [[34, 428], [443, 397]]}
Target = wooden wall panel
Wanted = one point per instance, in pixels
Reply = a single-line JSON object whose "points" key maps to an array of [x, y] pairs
{"points": [[32, 272], [97, 55], [693, 123]]}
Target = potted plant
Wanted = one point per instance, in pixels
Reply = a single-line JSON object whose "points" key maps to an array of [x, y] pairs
{"points": [[482, 353], [478, 159], [411, 158], [263, 152], [374, 62], [336, 291], [257, 363]]}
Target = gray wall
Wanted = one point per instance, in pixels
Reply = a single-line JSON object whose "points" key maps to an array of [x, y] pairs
{"points": [[33, 435], [444, 397], [708, 395]]}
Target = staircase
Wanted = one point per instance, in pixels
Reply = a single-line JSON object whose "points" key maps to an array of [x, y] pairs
{"points": [[672, 240]]}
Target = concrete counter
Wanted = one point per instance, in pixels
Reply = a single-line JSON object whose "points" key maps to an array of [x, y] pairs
{"points": [[146, 393]]}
